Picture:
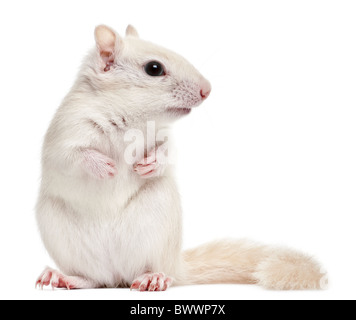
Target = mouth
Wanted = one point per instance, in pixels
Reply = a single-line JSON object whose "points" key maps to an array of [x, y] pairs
{"points": [[179, 111]]}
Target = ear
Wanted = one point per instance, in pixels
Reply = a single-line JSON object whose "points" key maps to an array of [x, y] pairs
{"points": [[131, 31], [108, 43]]}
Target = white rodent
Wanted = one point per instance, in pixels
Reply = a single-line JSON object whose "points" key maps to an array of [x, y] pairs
{"points": [[110, 222]]}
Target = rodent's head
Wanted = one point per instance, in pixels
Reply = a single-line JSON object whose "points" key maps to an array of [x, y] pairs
{"points": [[148, 80]]}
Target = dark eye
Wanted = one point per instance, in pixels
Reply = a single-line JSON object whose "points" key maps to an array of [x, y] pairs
{"points": [[154, 69]]}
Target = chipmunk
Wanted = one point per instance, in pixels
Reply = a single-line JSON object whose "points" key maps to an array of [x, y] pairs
{"points": [[108, 221]]}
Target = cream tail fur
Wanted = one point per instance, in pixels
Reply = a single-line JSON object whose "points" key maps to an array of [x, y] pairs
{"points": [[111, 217], [244, 262]]}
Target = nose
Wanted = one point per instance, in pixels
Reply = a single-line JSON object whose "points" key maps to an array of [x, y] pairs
{"points": [[205, 89], [205, 94]]}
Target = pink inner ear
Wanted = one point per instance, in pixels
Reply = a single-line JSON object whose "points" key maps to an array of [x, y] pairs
{"points": [[108, 59], [106, 42], [107, 56], [108, 66]]}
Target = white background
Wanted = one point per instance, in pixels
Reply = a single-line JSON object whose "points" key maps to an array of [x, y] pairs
{"points": [[270, 156]]}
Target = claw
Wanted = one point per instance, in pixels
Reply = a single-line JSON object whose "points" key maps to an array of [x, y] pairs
{"points": [[57, 280], [152, 282]]}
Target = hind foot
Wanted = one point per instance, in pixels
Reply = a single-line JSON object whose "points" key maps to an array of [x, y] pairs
{"points": [[58, 280], [152, 282]]}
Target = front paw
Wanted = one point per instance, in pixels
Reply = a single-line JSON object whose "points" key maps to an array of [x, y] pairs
{"points": [[154, 165], [98, 165]]}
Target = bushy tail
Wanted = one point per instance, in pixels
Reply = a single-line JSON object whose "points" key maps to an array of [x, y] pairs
{"points": [[244, 262]]}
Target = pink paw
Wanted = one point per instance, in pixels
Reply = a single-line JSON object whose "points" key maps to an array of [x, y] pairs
{"points": [[153, 165], [99, 165], [58, 280], [152, 282], [55, 279]]}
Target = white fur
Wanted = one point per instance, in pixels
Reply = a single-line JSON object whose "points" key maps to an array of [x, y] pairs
{"points": [[108, 228]]}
